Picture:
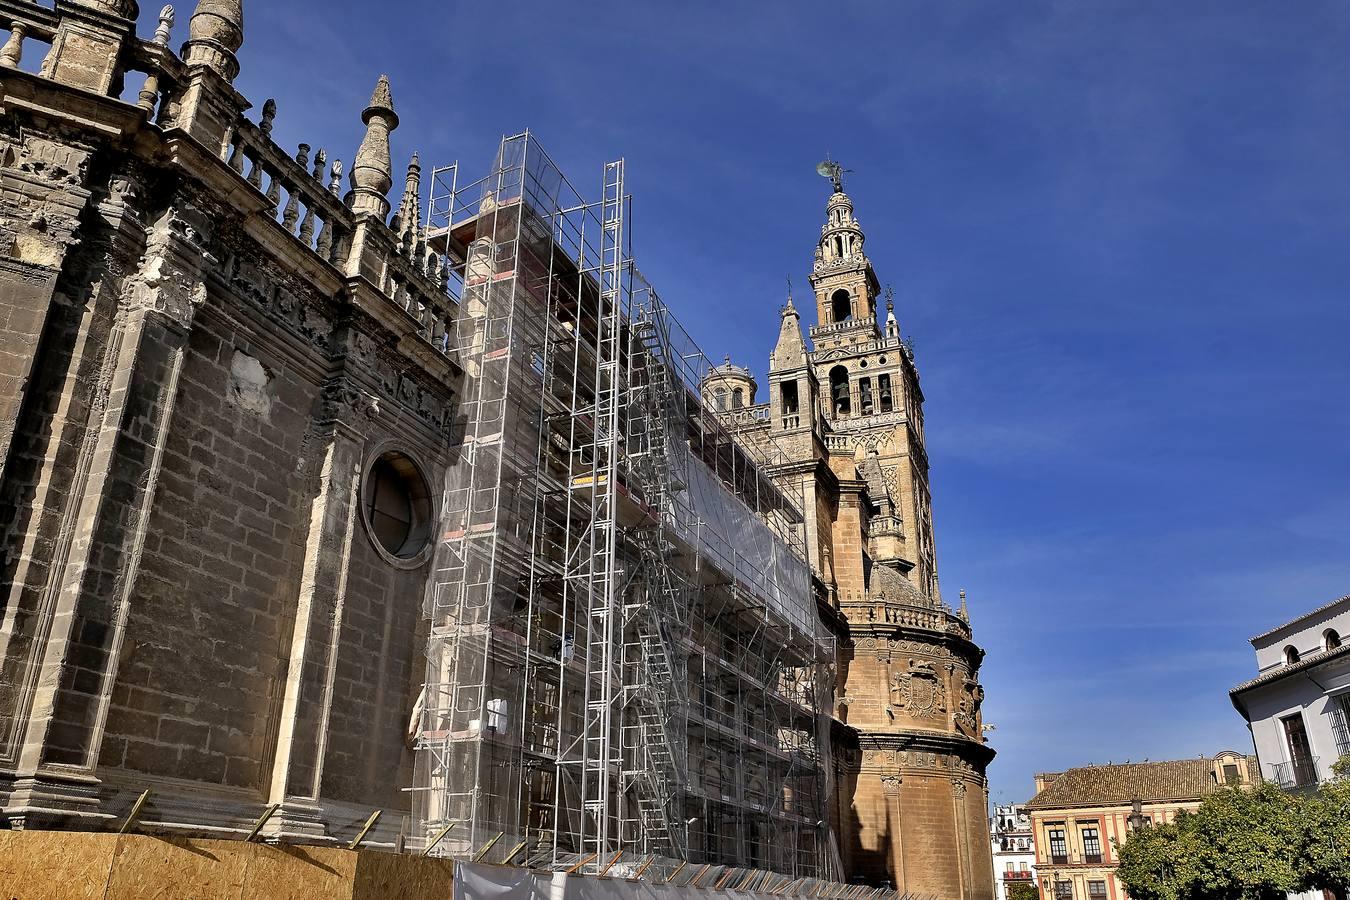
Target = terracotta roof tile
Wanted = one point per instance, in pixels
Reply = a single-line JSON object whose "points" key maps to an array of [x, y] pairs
{"points": [[1181, 779]]}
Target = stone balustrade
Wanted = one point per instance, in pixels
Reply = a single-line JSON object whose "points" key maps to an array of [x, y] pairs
{"points": [[302, 191]]}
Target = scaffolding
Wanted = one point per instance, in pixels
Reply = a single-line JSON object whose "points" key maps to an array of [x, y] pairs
{"points": [[623, 652]]}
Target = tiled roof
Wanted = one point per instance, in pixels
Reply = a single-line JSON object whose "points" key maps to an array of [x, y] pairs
{"points": [[1306, 662], [1306, 615], [1181, 779], [885, 581]]}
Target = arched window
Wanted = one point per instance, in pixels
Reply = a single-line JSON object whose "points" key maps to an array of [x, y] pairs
{"points": [[839, 391], [1331, 639], [737, 398], [838, 247], [884, 389], [1290, 655], [720, 398], [865, 396], [841, 305]]}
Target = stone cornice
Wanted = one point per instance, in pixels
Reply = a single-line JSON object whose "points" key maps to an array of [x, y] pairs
{"points": [[928, 741]]}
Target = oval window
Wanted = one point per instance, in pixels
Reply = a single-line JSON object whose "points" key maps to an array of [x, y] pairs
{"points": [[397, 505]]}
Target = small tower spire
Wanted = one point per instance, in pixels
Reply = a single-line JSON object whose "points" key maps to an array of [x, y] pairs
{"points": [[372, 172], [892, 326], [410, 210], [215, 34], [964, 612]]}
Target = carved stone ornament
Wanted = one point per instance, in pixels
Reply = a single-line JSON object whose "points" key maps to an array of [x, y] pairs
{"points": [[891, 784], [53, 162], [958, 789], [918, 691]]}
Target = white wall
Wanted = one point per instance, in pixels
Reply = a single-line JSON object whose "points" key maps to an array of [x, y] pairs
{"points": [[1304, 634]]}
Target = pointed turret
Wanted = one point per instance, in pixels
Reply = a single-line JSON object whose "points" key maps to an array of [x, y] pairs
{"points": [[372, 173], [409, 221], [892, 326], [215, 34], [790, 351]]}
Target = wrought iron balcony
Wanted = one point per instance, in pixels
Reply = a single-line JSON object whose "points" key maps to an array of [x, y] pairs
{"points": [[1299, 773]]}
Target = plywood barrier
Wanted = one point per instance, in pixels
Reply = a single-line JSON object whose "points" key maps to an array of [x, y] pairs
{"points": [[54, 865]]}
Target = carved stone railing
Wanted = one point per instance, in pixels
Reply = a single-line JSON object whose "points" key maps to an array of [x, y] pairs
{"points": [[838, 443], [23, 21], [746, 415], [302, 194], [312, 212], [862, 324]]}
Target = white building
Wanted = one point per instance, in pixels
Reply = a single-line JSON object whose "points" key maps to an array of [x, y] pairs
{"points": [[1014, 851], [1298, 705]]}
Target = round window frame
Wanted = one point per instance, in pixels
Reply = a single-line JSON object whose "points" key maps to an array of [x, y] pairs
{"points": [[426, 528]]}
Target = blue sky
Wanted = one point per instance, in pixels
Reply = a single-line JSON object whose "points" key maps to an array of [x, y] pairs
{"points": [[1117, 233]]}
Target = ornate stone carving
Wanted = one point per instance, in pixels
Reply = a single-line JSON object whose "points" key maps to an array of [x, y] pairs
{"points": [[891, 784], [53, 162], [919, 691], [958, 789]]}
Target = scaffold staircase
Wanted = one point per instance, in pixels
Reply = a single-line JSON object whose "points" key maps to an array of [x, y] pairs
{"points": [[659, 700]]}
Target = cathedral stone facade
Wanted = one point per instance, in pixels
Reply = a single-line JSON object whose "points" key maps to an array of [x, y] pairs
{"points": [[844, 420], [218, 378], [226, 396]]}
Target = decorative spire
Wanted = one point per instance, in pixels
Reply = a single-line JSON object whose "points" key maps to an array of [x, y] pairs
{"points": [[165, 29], [841, 237], [215, 34], [964, 611], [410, 210], [372, 172], [790, 350], [892, 326]]}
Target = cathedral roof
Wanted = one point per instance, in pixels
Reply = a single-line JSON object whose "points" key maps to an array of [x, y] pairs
{"points": [[888, 582], [730, 368]]}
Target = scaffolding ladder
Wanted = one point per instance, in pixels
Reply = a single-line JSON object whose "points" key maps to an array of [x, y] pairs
{"points": [[658, 691]]}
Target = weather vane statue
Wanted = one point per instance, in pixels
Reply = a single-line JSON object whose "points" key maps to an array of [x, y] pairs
{"points": [[833, 171]]}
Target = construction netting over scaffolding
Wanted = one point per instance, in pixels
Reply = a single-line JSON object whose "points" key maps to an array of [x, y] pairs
{"points": [[623, 650]]}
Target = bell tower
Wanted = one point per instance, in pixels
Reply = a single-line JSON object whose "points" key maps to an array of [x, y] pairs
{"points": [[847, 410], [845, 285]]}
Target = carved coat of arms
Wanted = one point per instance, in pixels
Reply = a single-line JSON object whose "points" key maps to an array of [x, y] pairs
{"points": [[918, 691]]}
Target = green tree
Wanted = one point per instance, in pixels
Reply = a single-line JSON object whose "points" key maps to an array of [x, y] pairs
{"points": [[1239, 845], [1323, 862], [1020, 891]]}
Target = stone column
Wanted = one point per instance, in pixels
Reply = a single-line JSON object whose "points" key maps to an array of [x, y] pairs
{"points": [[890, 786], [963, 871], [43, 198], [45, 466], [297, 771], [94, 582]]}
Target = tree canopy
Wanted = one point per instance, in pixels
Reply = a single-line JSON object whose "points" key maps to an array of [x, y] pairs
{"points": [[1259, 844]]}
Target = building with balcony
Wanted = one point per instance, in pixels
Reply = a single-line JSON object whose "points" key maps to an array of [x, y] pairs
{"points": [[1013, 848], [1080, 817], [1298, 705]]}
